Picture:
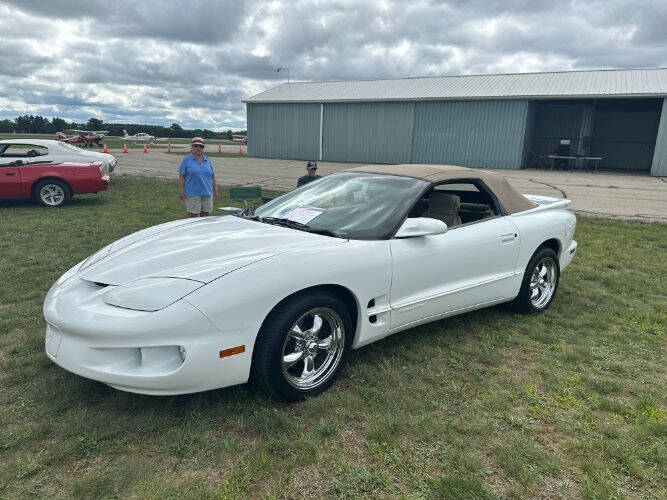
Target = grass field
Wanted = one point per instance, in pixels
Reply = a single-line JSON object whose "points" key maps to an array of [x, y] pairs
{"points": [[570, 403]]}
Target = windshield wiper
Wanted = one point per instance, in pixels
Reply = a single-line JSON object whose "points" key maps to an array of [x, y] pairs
{"points": [[280, 221]]}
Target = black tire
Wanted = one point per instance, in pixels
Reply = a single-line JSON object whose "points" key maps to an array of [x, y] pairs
{"points": [[535, 297], [52, 193], [276, 365]]}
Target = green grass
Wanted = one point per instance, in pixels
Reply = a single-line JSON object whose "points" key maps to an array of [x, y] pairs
{"points": [[570, 403]]}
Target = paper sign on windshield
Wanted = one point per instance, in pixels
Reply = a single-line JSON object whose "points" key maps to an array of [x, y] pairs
{"points": [[303, 215]]}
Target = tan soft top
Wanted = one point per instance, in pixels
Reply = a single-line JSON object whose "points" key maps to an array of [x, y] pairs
{"points": [[512, 201]]}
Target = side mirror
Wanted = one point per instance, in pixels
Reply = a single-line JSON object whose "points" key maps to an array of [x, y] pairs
{"points": [[421, 226]]}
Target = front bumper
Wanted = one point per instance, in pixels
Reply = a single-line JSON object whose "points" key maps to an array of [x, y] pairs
{"points": [[171, 351]]}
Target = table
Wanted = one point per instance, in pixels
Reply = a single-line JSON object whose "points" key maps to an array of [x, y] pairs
{"points": [[594, 159]]}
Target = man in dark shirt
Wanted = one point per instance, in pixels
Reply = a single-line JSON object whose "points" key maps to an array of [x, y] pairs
{"points": [[311, 167]]}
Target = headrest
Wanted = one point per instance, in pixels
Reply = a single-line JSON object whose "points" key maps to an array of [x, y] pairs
{"points": [[444, 202]]}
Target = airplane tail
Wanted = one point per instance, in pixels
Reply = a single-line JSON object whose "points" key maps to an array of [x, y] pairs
{"points": [[125, 134]]}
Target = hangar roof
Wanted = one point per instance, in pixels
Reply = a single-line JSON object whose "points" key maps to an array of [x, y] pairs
{"points": [[563, 85]]}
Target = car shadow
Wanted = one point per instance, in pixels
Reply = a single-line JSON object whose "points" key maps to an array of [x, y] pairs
{"points": [[78, 201]]}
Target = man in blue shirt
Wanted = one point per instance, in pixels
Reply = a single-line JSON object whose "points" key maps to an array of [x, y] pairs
{"points": [[196, 181]]}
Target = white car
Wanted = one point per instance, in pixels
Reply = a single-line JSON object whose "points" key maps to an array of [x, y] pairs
{"points": [[282, 295], [42, 150]]}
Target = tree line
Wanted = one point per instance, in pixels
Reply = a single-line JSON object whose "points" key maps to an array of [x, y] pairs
{"points": [[35, 124]]}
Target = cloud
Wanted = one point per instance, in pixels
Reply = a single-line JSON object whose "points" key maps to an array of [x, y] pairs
{"points": [[193, 62]]}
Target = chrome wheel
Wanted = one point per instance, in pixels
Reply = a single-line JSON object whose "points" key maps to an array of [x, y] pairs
{"points": [[52, 194], [313, 348], [543, 282]]}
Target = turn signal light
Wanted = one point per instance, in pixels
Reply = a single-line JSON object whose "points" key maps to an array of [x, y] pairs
{"points": [[232, 350]]}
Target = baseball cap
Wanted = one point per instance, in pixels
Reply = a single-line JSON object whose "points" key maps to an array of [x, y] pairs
{"points": [[197, 140], [311, 164]]}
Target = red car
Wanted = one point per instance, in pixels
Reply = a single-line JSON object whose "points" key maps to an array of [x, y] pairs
{"points": [[51, 184]]}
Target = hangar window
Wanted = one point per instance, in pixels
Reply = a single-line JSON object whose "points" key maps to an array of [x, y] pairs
{"points": [[23, 151]]}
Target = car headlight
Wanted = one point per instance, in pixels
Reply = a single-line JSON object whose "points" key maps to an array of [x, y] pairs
{"points": [[151, 294], [113, 163]]}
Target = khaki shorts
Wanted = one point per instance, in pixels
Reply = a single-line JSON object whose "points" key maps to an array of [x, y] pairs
{"points": [[197, 204]]}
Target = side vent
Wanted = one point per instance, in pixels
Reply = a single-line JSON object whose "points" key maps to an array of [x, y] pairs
{"points": [[378, 311]]}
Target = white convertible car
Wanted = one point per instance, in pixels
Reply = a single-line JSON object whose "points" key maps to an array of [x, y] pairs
{"points": [[46, 150], [280, 296]]}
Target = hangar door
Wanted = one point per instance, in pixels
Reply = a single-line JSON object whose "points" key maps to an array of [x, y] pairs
{"points": [[367, 132], [621, 131], [487, 134], [290, 131], [624, 132]]}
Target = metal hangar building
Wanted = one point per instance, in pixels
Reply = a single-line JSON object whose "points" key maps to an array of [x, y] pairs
{"points": [[489, 121]]}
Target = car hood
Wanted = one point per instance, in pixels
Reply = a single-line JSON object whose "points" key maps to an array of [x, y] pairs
{"points": [[201, 249]]}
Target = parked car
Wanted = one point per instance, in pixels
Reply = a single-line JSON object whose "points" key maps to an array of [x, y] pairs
{"points": [[53, 151], [51, 184], [282, 295]]}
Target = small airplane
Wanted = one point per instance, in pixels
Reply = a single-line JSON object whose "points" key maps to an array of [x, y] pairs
{"points": [[140, 136], [240, 138], [85, 137]]}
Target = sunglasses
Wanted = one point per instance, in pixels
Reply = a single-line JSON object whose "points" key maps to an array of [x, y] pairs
{"points": [[198, 146]]}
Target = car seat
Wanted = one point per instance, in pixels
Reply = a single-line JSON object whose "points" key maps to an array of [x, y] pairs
{"points": [[444, 207], [471, 212]]}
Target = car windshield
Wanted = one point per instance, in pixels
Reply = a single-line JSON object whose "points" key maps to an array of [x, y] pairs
{"points": [[355, 205]]}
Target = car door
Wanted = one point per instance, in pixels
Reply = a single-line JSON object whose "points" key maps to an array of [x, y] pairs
{"points": [[467, 266], [10, 180]]}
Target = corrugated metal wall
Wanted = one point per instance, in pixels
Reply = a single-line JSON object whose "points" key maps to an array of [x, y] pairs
{"points": [[624, 132], [486, 134], [289, 131], [367, 132], [659, 165]]}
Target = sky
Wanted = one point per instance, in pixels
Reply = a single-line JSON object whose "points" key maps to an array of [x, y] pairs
{"points": [[193, 62]]}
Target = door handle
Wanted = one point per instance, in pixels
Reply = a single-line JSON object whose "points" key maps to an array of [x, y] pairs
{"points": [[508, 238], [10, 173]]}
